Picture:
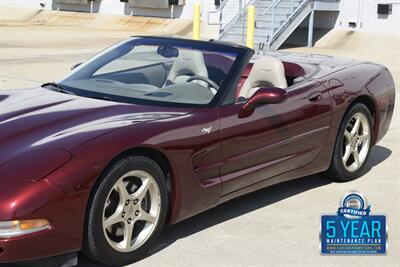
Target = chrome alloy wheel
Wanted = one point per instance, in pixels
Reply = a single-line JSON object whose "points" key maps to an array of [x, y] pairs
{"points": [[131, 211], [356, 142]]}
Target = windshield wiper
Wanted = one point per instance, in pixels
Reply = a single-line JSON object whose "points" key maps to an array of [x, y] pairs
{"points": [[59, 88]]}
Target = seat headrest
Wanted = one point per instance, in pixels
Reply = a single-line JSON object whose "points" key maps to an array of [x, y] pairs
{"points": [[266, 71], [187, 64]]}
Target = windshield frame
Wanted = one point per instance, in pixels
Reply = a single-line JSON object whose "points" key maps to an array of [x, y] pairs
{"points": [[209, 46]]}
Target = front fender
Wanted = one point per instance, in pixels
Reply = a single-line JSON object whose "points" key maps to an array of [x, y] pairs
{"points": [[39, 200]]}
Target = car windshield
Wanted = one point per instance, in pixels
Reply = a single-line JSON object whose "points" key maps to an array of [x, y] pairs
{"points": [[151, 70]]}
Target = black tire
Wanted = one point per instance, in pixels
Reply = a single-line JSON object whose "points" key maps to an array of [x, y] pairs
{"points": [[96, 246], [337, 170]]}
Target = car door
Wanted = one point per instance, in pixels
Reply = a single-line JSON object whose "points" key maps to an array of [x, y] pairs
{"points": [[276, 138]]}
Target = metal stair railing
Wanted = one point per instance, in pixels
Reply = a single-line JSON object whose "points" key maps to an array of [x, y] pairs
{"points": [[272, 34], [273, 5], [294, 13], [242, 4]]}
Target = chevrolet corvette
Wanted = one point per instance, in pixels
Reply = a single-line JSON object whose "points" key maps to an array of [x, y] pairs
{"points": [[154, 130]]}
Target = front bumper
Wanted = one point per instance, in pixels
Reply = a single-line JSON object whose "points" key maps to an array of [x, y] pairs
{"points": [[39, 200]]}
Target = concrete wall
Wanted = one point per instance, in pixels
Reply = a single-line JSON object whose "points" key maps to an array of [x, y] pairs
{"points": [[364, 14], [117, 8], [324, 21]]}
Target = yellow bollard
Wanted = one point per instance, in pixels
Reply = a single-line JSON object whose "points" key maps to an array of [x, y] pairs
{"points": [[196, 21], [251, 14]]}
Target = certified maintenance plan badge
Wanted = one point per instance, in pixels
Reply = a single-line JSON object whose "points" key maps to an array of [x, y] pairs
{"points": [[353, 230]]}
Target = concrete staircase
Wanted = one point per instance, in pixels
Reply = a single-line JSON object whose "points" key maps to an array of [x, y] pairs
{"points": [[275, 21]]}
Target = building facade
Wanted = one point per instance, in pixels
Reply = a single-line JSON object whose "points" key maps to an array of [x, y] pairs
{"points": [[357, 15]]}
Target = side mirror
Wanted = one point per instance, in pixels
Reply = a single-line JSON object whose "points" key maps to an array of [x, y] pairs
{"points": [[264, 95], [75, 66]]}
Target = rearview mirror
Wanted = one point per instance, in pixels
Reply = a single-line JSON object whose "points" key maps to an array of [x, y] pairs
{"points": [[264, 95], [168, 51]]}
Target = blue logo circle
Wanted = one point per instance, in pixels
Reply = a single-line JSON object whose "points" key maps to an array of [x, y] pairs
{"points": [[353, 206]]}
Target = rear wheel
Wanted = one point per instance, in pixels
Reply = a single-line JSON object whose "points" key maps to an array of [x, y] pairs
{"points": [[127, 211], [353, 144]]}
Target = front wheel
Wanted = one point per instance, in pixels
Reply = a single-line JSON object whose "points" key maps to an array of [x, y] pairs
{"points": [[127, 211], [353, 144]]}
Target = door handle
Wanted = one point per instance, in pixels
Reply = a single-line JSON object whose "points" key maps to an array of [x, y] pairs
{"points": [[315, 97]]}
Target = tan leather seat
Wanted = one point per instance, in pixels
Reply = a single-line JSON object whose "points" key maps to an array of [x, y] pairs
{"points": [[266, 71], [187, 64]]}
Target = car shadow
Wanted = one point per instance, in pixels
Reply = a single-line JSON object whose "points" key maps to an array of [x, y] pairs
{"points": [[253, 201], [248, 203], [245, 204], [378, 154]]}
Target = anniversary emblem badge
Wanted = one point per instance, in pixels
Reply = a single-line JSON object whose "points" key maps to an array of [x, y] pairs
{"points": [[353, 230]]}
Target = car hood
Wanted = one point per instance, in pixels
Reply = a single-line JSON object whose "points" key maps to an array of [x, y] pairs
{"points": [[40, 119]]}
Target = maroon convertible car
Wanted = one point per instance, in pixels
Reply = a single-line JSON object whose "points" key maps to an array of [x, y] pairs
{"points": [[154, 130]]}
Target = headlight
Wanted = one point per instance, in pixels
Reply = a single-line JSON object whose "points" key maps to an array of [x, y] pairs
{"points": [[18, 228]]}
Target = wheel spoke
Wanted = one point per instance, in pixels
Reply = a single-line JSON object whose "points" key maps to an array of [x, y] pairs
{"points": [[113, 219], [141, 192], [364, 137], [356, 157], [356, 126], [128, 230], [145, 216], [357, 136], [347, 135], [123, 192], [347, 154]]}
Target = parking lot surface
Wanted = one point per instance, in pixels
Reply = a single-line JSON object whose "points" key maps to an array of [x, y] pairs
{"points": [[276, 226]]}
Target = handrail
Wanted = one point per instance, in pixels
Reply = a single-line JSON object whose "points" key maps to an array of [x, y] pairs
{"points": [[273, 16], [269, 7], [220, 10], [272, 6], [271, 35], [241, 11], [299, 7]]}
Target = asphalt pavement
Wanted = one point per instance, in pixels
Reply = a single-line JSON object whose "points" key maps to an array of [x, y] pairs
{"points": [[276, 226]]}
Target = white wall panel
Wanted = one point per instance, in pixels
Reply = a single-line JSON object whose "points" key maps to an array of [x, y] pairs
{"points": [[362, 12]]}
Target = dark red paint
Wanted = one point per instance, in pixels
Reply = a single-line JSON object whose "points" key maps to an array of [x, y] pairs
{"points": [[54, 146]]}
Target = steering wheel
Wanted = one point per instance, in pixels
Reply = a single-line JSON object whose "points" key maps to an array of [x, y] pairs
{"points": [[204, 79]]}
